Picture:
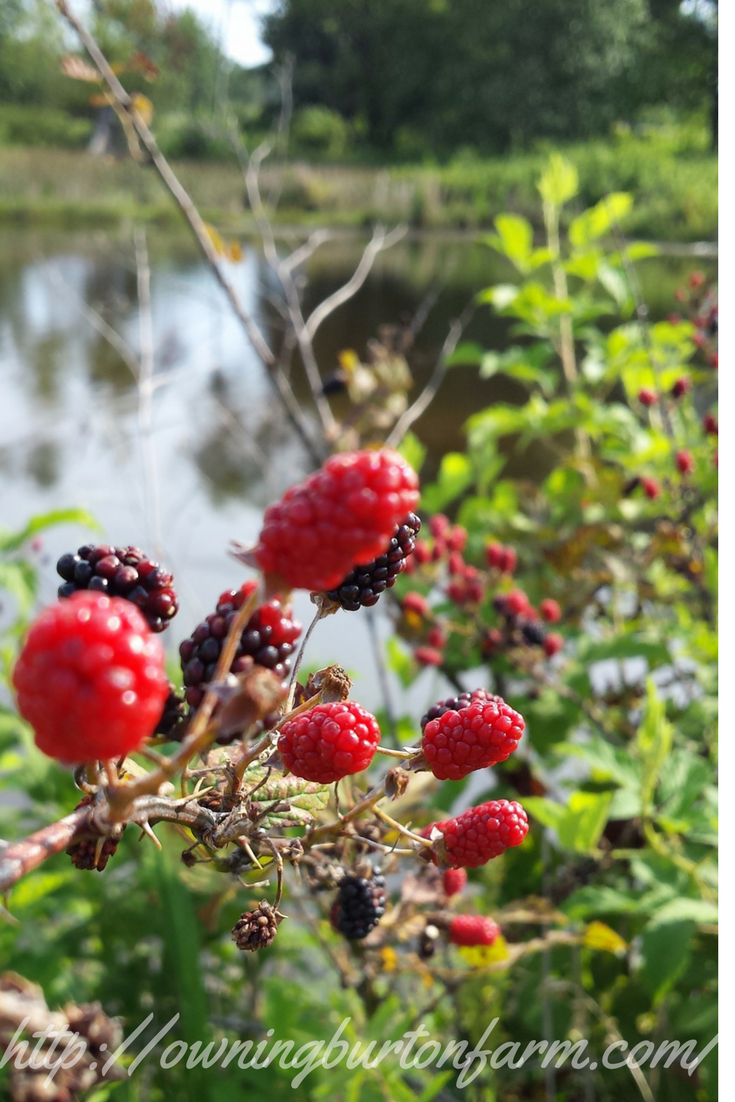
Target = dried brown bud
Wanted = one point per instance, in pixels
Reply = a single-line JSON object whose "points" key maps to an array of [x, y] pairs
{"points": [[258, 693], [93, 850], [257, 929], [333, 683], [396, 782]]}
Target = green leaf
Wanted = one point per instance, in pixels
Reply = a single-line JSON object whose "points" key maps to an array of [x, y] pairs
{"points": [[665, 951], [515, 239], [559, 183], [455, 476], [469, 353], [400, 661], [304, 798], [19, 580], [653, 742], [598, 220], [579, 824], [12, 541], [413, 451]]}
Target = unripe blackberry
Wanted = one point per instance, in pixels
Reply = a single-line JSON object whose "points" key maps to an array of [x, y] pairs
{"points": [[681, 387], [364, 584], [268, 640], [359, 906], [647, 397], [121, 572]]}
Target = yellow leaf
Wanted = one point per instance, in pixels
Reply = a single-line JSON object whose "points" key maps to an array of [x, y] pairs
{"points": [[599, 936], [480, 956], [142, 106], [234, 252]]}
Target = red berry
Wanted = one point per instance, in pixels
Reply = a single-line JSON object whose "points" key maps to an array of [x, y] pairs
{"points": [[439, 525], [473, 930], [647, 397], [342, 516], [491, 641], [696, 279], [422, 552], [710, 424], [416, 602], [479, 834], [91, 678], [553, 643], [651, 488], [494, 554], [476, 737], [453, 881], [456, 538], [455, 563], [550, 610], [329, 742], [681, 387], [674, 319], [684, 462], [436, 637], [700, 339], [516, 602], [510, 561], [429, 656]]}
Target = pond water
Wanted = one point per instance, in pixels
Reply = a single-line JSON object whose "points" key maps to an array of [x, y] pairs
{"points": [[218, 451]]}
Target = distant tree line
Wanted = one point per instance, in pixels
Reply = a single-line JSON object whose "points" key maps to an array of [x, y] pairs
{"points": [[398, 78]]}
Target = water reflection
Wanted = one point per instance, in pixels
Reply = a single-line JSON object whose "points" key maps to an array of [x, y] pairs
{"points": [[69, 429]]}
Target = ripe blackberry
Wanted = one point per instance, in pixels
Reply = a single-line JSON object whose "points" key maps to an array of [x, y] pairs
{"points": [[455, 703], [359, 906], [533, 633], [121, 572], [364, 584], [268, 640]]}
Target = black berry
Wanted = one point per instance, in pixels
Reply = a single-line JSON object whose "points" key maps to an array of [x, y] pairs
{"points": [[121, 572], [456, 703], [359, 906], [363, 585]]}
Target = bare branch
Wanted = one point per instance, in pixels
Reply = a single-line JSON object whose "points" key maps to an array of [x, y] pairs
{"points": [[199, 229], [379, 241], [427, 395]]}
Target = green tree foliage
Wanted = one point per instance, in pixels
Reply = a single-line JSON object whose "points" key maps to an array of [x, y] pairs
{"points": [[488, 73]]}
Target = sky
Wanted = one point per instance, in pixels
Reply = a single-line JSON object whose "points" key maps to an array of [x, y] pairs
{"points": [[236, 24]]}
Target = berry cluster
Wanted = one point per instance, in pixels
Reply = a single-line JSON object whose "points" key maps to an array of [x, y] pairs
{"points": [[479, 596], [363, 585], [268, 640], [121, 572]]}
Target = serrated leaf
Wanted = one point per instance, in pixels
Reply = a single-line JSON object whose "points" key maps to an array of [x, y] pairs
{"points": [[304, 798]]}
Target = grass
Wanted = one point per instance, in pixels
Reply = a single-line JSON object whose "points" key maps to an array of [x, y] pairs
{"points": [[675, 189]]}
